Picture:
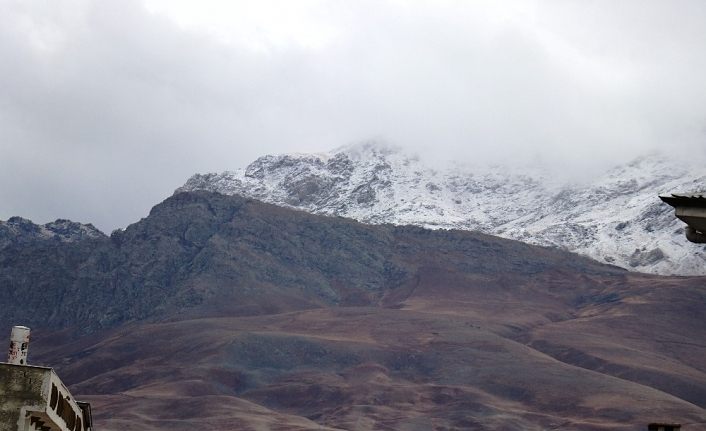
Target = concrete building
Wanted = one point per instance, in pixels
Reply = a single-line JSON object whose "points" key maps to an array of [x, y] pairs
{"points": [[34, 398]]}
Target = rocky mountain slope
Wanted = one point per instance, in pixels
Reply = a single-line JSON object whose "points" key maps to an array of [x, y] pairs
{"points": [[616, 218], [224, 312], [203, 253]]}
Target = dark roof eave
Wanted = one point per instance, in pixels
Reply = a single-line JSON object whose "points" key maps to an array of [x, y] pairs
{"points": [[678, 200]]}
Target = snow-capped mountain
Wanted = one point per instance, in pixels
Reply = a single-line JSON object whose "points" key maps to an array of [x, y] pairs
{"points": [[18, 229], [617, 218]]}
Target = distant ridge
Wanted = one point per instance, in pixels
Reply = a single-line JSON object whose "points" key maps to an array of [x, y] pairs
{"points": [[18, 229], [617, 218]]}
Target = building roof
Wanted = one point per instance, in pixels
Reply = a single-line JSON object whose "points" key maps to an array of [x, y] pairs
{"points": [[685, 200], [24, 366]]}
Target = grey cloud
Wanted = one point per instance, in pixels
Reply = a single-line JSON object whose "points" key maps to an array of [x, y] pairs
{"points": [[107, 108]]}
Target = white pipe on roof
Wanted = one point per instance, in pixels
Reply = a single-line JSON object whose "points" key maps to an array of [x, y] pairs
{"points": [[19, 345]]}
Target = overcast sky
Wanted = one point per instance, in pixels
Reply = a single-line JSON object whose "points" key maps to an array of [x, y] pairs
{"points": [[107, 106]]}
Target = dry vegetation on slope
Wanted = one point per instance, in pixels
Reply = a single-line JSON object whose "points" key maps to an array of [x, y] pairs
{"points": [[240, 315]]}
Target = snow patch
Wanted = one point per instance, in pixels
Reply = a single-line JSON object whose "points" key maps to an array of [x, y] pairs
{"points": [[616, 218]]}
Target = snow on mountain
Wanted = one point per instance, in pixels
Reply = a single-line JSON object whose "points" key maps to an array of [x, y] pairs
{"points": [[18, 229], [617, 218]]}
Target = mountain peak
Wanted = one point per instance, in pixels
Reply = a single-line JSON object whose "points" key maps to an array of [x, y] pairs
{"points": [[615, 218], [18, 229], [368, 149]]}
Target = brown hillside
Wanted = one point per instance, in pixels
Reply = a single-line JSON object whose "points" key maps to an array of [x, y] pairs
{"points": [[226, 313]]}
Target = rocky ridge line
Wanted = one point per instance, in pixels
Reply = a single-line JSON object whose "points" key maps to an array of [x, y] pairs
{"points": [[18, 229], [616, 218]]}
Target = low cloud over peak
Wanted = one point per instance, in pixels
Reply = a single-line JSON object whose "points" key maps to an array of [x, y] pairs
{"points": [[109, 106]]}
